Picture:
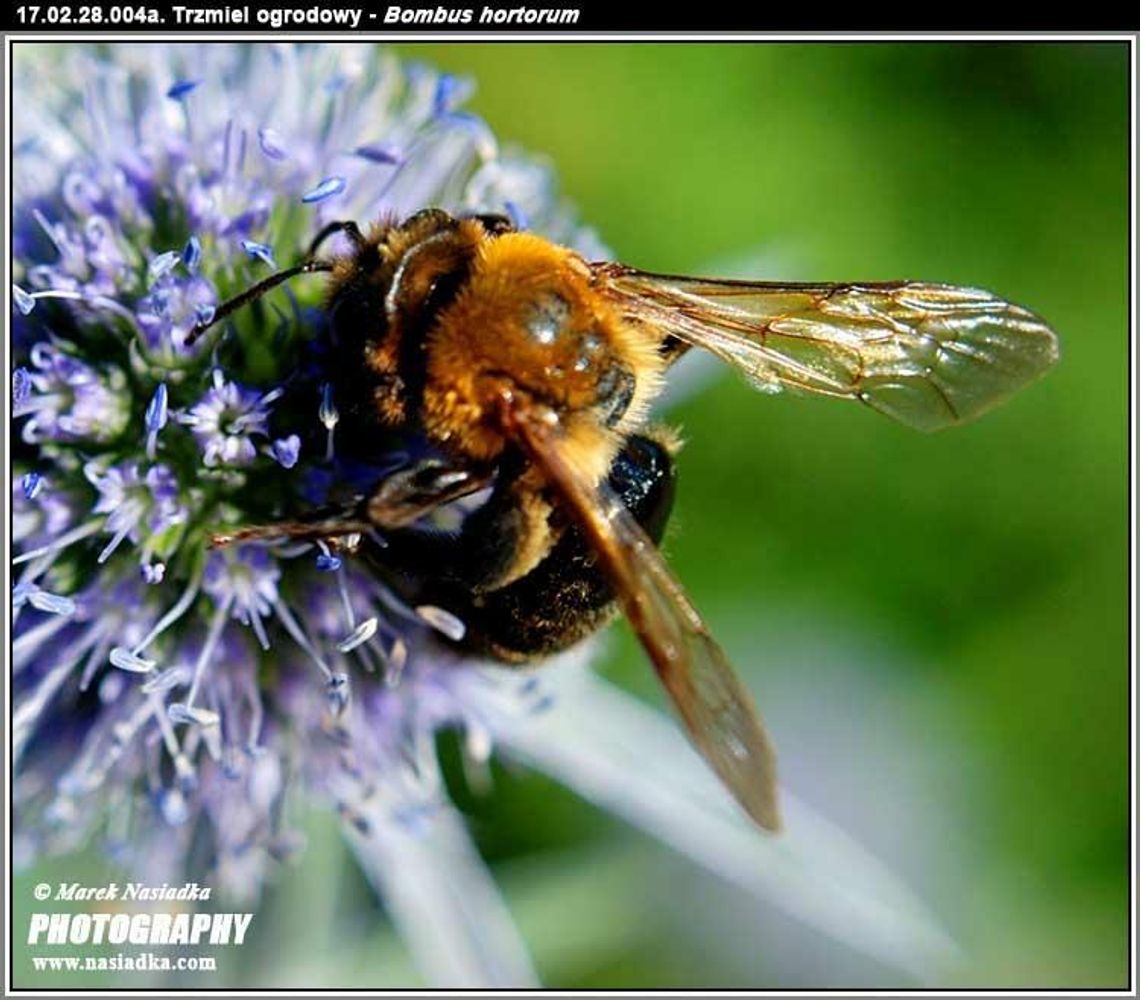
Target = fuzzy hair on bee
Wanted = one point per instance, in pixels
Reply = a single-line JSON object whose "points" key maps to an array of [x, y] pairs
{"points": [[525, 373]]}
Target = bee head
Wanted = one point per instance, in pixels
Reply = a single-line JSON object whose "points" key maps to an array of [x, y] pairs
{"points": [[386, 295]]}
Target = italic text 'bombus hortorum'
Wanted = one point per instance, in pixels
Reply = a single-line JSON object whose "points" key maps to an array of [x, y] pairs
{"points": [[525, 374]]}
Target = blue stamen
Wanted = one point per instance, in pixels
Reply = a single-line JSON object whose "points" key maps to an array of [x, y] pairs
{"points": [[41, 600], [327, 188], [24, 302], [447, 93], [330, 416], [379, 154], [181, 88], [442, 621], [124, 659], [359, 635], [32, 484], [517, 215], [328, 563], [328, 412], [156, 412], [272, 144], [259, 251], [192, 254], [287, 450]]}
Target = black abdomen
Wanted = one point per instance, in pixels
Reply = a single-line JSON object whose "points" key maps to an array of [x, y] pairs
{"points": [[565, 597], [559, 602]]}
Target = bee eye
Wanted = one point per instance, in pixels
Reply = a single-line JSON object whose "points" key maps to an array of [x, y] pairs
{"points": [[547, 319]]}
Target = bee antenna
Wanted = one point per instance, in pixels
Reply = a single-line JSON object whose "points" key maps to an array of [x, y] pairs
{"points": [[255, 292], [349, 228]]}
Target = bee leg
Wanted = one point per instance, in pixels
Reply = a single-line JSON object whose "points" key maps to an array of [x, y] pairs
{"points": [[416, 558], [326, 523], [411, 493], [400, 499], [563, 598]]}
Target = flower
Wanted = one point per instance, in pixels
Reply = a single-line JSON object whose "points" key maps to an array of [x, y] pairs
{"points": [[168, 695], [227, 418]]}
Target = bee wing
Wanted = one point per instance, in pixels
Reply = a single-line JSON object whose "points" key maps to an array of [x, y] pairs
{"points": [[715, 707], [927, 355]]}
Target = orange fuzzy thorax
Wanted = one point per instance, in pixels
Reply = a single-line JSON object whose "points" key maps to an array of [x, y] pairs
{"points": [[529, 320]]}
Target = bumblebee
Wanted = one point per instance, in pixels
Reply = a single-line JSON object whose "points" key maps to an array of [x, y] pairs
{"points": [[527, 372]]}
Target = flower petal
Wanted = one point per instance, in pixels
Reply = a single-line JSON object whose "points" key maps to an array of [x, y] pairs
{"points": [[443, 900], [631, 760]]}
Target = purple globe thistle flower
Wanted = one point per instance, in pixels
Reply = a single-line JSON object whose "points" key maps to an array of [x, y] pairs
{"points": [[166, 694]]}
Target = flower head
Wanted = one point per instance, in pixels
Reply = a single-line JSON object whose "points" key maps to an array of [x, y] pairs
{"points": [[167, 694], [227, 420]]}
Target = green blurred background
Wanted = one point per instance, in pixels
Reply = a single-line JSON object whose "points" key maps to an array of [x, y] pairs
{"points": [[936, 626]]}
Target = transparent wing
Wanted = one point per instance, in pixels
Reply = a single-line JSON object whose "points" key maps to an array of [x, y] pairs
{"points": [[927, 355], [714, 706]]}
